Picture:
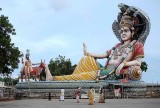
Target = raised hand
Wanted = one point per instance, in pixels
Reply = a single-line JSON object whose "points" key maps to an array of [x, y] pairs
{"points": [[84, 49]]}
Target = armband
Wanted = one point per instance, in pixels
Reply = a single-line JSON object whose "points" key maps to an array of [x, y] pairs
{"points": [[124, 63]]}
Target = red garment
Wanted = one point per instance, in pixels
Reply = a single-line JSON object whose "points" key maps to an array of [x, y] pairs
{"points": [[78, 93], [138, 50]]}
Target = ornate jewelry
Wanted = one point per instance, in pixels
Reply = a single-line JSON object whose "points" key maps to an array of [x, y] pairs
{"points": [[119, 51], [124, 63]]}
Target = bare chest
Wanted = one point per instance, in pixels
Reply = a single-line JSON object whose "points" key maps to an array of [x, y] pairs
{"points": [[118, 54], [27, 63]]}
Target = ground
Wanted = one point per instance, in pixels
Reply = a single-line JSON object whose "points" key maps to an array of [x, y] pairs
{"points": [[71, 103]]}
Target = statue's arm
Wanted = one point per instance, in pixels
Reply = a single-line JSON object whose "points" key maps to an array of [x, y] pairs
{"points": [[138, 55], [136, 62], [104, 55], [23, 62]]}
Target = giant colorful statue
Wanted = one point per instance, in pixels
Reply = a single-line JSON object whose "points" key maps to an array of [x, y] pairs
{"points": [[124, 59]]}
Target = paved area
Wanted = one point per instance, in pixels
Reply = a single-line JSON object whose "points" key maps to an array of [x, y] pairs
{"points": [[71, 103]]}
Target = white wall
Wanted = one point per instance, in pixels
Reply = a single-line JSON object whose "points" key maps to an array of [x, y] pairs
{"points": [[1, 84]]}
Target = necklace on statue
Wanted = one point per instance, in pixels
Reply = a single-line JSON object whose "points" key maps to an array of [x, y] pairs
{"points": [[118, 52]]}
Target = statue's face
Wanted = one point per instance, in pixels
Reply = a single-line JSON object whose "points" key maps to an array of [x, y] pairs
{"points": [[126, 33]]}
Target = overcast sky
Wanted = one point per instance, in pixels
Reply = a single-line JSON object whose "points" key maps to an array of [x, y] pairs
{"points": [[49, 28]]}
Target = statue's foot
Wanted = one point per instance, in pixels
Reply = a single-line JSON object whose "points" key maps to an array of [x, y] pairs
{"points": [[54, 78], [97, 80], [51, 78]]}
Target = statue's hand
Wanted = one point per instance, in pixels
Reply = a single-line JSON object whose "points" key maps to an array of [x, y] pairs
{"points": [[119, 69], [84, 49]]}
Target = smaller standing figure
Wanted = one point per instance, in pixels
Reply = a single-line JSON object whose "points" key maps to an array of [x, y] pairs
{"points": [[78, 93], [49, 96], [1, 90], [102, 95], [117, 93], [91, 96], [27, 66], [94, 95], [62, 95]]}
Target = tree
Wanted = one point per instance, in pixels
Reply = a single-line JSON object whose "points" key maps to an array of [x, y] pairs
{"points": [[60, 66], [144, 66], [1, 79], [9, 54], [9, 81]]}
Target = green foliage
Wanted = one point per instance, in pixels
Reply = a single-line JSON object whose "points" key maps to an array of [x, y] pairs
{"points": [[9, 54], [61, 66], [144, 66], [1, 79], [9, 81]]}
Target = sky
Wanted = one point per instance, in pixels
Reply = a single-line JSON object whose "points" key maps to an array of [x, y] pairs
{"points": [[49, 28]]}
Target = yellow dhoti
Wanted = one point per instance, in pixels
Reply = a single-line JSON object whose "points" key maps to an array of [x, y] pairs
{"points": [[91, 96], [86, 70]]}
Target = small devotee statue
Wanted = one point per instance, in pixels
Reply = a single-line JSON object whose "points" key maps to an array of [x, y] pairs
{"points": [[27, 66]]}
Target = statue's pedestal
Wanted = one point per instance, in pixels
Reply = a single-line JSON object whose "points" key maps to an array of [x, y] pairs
{"points": [[55, 86]]}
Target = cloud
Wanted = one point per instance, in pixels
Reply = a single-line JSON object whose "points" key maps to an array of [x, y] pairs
{"points": [[8, 4], [51, 42], [59, 5], [39, 46]]}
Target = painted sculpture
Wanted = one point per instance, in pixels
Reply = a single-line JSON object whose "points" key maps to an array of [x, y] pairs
{"points": [[27, 66], [28, 70], [124, 59]]}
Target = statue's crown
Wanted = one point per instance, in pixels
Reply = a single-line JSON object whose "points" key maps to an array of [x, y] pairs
{"points": [[134, 18]]}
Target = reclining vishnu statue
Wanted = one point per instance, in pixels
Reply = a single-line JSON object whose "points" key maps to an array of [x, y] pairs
{"points": [[124, 59]]}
